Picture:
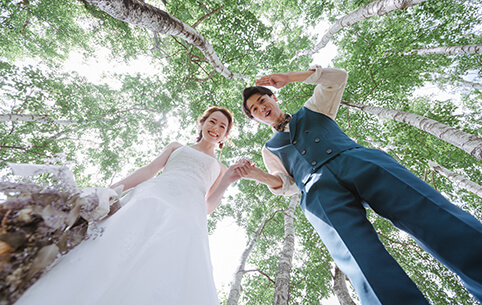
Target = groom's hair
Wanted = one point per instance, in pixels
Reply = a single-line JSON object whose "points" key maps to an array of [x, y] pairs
{"points": [[248, 92]]}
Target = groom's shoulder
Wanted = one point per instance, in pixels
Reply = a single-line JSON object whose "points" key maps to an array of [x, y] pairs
{"points": [[300, 112]]}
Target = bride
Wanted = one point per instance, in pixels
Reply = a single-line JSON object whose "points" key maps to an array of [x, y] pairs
{"points": [[155, 249]]}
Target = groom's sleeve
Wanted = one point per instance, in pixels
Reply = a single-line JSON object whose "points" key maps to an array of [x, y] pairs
{"points": [[275, 167], [327, 95]]}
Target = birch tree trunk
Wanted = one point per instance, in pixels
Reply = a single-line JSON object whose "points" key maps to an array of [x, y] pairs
{"points": [[340, 289], [459, 179], [282, 285], [235, 290], [375, 8], [471, 85], [39, 118], [138, 13], [468, 49], [465, 141], [465, 83]]}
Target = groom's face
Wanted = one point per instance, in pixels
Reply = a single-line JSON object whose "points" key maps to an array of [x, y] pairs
{"points": [[264, 108]]}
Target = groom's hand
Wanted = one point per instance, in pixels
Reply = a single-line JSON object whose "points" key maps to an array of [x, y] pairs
{"points": [[276, 80]]}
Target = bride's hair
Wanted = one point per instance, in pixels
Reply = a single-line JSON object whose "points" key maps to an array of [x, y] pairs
{"points": [[205, 116]]}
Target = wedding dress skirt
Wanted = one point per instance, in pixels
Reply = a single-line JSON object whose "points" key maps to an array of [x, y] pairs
{"points": [[154, 250]]}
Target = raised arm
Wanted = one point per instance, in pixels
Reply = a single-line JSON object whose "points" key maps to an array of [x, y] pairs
{"points": [[279, 80], [327, 94], [149, 171]]}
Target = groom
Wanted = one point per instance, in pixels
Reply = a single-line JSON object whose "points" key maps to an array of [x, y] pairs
{"points": [[338, 178]]}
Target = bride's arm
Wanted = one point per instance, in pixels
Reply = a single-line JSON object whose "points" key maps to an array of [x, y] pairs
{"points": [[224, 180], [149, 171]]}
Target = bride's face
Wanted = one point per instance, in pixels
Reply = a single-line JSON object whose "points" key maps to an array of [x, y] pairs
{"points": [[215, 127]]}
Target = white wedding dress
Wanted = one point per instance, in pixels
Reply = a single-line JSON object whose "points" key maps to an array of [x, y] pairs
{"points": [[154, 250]]}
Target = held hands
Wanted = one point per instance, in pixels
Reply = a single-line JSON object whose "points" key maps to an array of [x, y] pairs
{"points": [[247, 169], [231, 173], [238, 170], [276, 80], [235, 173]]}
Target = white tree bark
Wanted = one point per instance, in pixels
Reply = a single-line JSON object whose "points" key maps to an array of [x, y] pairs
{"points": [[468, 49], [465, 141], [39, 118], [471, 85], [282, 285], [235, 290], [340, 289], [141, 14], [459, 179], [460, 80], [375, 8]]}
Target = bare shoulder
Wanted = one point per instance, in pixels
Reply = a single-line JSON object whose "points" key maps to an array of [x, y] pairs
{"points": [[173, 146]]}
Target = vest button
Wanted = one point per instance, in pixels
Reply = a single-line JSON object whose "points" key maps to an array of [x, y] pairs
{"points": [[313, 163], [303, 152], [306, 131], [329, 151], [294, 142], [317, 140]]}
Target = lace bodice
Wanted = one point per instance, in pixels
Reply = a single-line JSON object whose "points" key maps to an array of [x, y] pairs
{"points": [[192, 167]]}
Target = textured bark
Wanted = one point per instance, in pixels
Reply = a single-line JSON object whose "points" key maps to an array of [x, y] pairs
{"points": [[39, 118], [152, 18], [375, 8], [460, 80], [459, 179], [282, 285], [340, 289], [471, 85], [235, 290], [465, 141], [468, 49]]}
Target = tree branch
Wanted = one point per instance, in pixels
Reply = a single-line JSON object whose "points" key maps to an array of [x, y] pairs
{"points": [[206, 16], [257, 270]]}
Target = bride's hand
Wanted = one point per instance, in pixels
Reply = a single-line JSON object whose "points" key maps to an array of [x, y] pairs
{"points": [[249, 171], [232, 174]]}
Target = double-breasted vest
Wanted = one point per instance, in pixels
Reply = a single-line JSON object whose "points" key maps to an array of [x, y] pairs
{"points": [[313, 140]]}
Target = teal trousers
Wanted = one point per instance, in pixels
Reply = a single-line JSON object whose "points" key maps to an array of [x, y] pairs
{"points": [[335, 200]]}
